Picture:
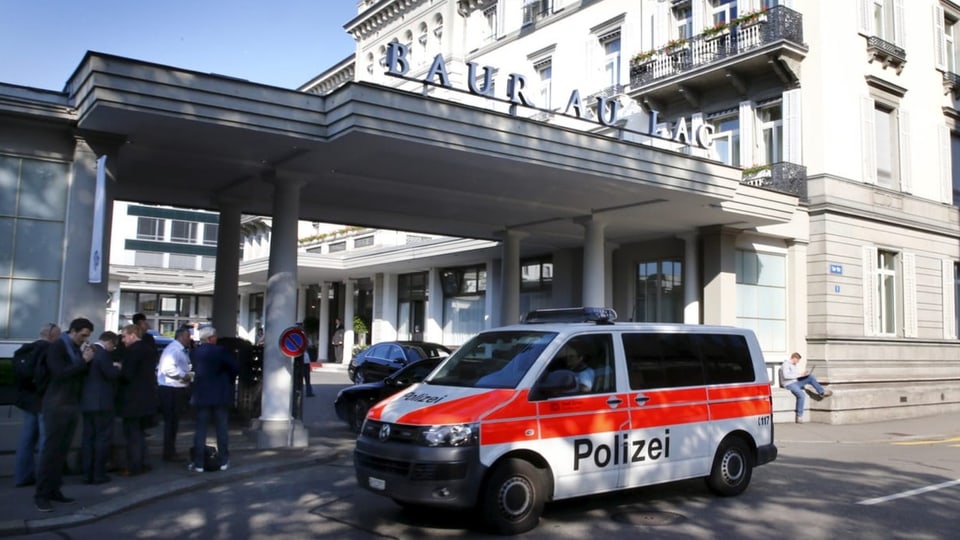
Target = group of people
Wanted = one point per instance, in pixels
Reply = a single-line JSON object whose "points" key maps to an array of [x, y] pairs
{"points": [[64, 381]]}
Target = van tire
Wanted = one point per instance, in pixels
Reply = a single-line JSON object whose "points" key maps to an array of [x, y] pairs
{"points": [[513, 497], [732, 468]]}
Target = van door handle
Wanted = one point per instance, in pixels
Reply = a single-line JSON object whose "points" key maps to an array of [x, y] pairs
{"points": [[614, 402], [641, 399]]}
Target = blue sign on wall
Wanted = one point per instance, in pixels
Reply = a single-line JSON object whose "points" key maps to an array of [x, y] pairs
{"points": [[836, 269]]}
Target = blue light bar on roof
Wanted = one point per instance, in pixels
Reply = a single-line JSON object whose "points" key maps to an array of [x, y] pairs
{"points": [[570, 315]]}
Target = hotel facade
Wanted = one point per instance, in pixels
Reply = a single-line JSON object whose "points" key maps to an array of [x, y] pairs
{"points": [[789, 167]]}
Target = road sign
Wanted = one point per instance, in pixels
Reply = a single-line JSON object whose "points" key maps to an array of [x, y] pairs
{"points": [[293, 342]]}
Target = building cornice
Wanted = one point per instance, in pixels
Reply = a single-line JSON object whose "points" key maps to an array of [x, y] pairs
{"points": [[379, 16]]}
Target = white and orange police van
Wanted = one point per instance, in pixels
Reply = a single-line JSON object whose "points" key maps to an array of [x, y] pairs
{"points": [[549, 409]]}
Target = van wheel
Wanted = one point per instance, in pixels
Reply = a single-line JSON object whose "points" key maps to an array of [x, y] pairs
{"points": [[732, 468], [513, 497], [358, 412]]}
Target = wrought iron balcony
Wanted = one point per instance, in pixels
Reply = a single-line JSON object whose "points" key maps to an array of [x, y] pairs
{"points": [[783, 176], [744, 35], [887, 53], [951, 83]]}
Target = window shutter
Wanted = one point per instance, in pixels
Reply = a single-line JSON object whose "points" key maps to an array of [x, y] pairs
{"points": [[946, 164], [864, 17], [949, 299], [868, 140], [699, 18], [746, 134], [870, 299], [939, 39], [661, 22], [792, 134], [909, 263], [906, 163], [899, 28]]}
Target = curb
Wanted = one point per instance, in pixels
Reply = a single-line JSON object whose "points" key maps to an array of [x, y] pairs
{"points": [[195, 481]]}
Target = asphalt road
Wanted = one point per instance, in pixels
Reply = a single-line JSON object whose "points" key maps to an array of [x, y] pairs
{"points": [[816, 489]]}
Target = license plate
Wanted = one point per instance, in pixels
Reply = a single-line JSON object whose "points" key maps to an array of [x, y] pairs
{"points": [[377, 483]]}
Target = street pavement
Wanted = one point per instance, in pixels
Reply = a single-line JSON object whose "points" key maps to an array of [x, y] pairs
{"points": [[95, 502]]}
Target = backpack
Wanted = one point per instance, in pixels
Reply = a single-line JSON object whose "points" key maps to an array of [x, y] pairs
{"points": [[24, 362], [41, 373], [211, 460]]}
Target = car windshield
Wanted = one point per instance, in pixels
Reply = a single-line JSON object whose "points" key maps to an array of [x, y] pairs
{"points": [[493, 360]]}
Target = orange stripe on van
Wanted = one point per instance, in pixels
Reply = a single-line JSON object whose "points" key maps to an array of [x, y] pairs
{"points": [[455, 411]]}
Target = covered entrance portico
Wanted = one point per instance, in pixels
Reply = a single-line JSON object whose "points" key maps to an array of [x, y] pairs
{"points": [[383, 158]]}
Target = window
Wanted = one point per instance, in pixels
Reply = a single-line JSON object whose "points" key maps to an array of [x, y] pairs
{"points": [[955, 166], [886, 141], [723, 11], [762, 297], [210, 231], [611, 58], [534, 10], [683, 17], [536, 285], [544, 71], [771, 132], [149, 228], [364, 241], [338, 246], [949, 44], [883, 19], [183, 231], [659, 291], [887, 292], [662, 360], [490, 24], [726, 138]]}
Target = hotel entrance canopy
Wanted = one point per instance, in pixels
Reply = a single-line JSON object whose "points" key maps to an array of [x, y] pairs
{"points": [[384, 158]]}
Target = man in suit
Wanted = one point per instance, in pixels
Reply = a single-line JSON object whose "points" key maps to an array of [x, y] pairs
{"points": [[66, 361], [138, 397], [97, 404], [216, 369]]}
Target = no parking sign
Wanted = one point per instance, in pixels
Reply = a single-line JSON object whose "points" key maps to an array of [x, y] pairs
{"points": [[293, 341]]}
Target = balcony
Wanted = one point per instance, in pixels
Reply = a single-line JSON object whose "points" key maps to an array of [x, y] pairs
{"points": [[765, 43], [886, 53], [951, 84], [782, 176]]}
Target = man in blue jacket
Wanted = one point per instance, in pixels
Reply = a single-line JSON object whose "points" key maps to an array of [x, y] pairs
{"points": [[215, 371], [98, 407]]}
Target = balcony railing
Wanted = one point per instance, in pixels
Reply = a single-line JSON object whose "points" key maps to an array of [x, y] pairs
{"points": [[887, 53], [769, 26], [951, 83], [782, 176]]}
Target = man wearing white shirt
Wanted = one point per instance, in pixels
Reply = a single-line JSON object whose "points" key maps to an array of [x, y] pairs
{"points": [[173, 382]]}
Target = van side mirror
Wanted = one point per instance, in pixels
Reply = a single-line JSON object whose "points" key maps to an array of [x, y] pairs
{"points": [[556, 383]]}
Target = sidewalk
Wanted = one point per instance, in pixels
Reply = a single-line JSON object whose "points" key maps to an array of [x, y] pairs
{"points": [[94, 502]]}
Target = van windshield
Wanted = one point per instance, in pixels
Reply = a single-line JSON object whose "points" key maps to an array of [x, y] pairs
{"points": [[492, 360]]}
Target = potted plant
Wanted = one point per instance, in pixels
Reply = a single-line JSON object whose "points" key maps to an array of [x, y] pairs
{"points": [[751, 18], [716, 30], [641, 58], [674, 45], [755, 174], [360, 329]]}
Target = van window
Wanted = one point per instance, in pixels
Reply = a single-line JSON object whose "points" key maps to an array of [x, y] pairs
{"points": [[726, 358], [662, 360], [493, 359], [590, 358]]}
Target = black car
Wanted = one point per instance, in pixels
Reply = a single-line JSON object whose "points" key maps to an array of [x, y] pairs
{"points": [[382, 359], [353, 402]]}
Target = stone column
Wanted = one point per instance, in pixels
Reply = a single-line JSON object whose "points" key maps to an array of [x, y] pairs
{"points": [[348, 307], [510, 277], [691, 281], [719, 276], [594, 259], [323, 335], [277, 426], [225, 281]]}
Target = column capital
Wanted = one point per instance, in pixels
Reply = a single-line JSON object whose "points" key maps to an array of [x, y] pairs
{"points": [[505, 234], [270, 176], [590, 220]]}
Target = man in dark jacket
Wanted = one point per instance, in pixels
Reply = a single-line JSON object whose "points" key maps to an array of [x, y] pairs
{"points": [[66, 363], [97, 404], [216, 369], [137, 403], [28, 401]]}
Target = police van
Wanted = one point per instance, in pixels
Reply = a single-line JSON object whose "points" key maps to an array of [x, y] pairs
{"points": [[566, 404]]}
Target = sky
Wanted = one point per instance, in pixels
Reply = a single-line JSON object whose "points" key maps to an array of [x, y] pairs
{"points": [[281, 43]]}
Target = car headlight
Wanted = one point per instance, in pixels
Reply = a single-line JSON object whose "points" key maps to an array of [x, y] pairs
{"points": [[455, 435]]}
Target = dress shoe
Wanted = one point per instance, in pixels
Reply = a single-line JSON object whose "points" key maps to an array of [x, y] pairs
{"points": [[59, 497], [43, 505]]}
